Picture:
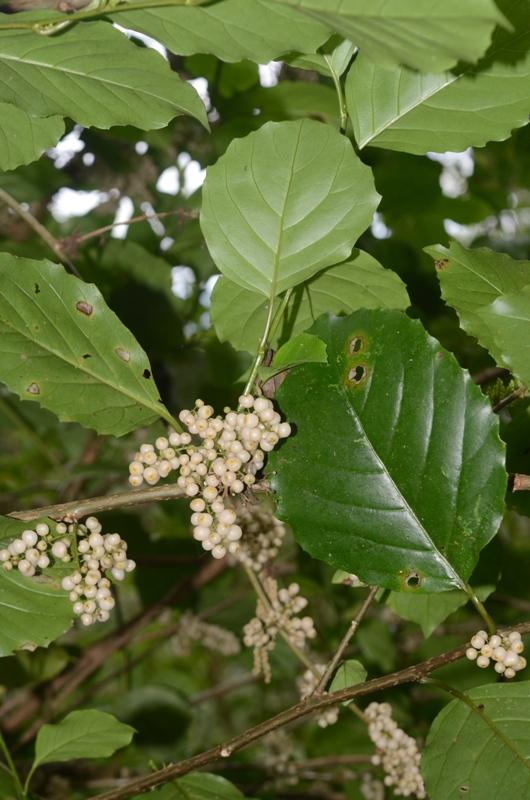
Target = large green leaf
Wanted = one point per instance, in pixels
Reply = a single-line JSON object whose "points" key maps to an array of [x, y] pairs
{"points": [[507, 322], [197, 786], [33, 611], [81, 734], [232, 30], [401, 109], [239, 315], [395, 472], [466, 757], [422, 34], [61, 345], [95, 75], [283, 203], [24, 138], [473, 279]]}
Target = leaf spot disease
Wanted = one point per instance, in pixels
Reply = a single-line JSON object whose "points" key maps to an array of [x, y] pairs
{"points": [[84, 307], [357, 344], [33, 388], [357, 374], [441, 264], [413, 580], [123, 354]]}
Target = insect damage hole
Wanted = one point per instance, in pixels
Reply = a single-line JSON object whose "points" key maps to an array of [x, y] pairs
{"points": [[33, 388], [357, 374], [413, 580], [86, 355], [37, 289], [357, 344], [146, 374]]}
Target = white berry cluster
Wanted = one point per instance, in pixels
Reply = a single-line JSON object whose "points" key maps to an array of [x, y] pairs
{"points": [[307, 683], [397, 753], [371, 787], [31, 552], [262, 535], [231, 451], [504, 650], [279, 614], [192, 629], [88, 587], [280, 757]]}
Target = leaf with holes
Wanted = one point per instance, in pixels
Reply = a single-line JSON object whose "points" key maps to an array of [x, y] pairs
{"points": [[81, 734], [471, 280], [95, 75], [400, 109], [422, 34], [24, 138], [285, 202], [396, 470], [62, 346], [466, 757], [232, 30], [361, 282], [33, 611]]}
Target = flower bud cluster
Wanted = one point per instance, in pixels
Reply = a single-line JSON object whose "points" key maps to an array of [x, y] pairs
{"points": [[193, 629], [278, 614], [307, 684], [503, 649], [262, 536], [397, 753], [231, 451], [31, 552], [88, 587]]}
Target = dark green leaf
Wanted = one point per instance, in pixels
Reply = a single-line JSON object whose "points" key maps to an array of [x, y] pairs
{"points": [[396, 469], [24, 138], [197, 786]]}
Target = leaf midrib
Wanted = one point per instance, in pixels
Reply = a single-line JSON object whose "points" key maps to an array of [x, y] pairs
{"points": [[351, 410]]}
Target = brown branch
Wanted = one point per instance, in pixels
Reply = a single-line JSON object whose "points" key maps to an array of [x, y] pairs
{"points": [[54, 245], [71, 512], [297, 712], [75, 239], [521, 483]]}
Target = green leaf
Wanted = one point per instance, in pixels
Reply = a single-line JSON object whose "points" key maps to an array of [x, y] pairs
{"points": [[197, 786], [507, 322], [232, 30], [348, 674], [62, 346], [464, 757], [24, 138], [403, 110], [362, 282], [302, 349], [81, 734], [422, 34], [396, 469], [33, 611], [430, 610], [283, 203], [95, 75], [328, 62], [473, 279]]}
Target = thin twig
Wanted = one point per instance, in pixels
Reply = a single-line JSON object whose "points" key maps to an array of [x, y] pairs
{"points": [[39, 229], [330, 669], [180, 212], [515, 395], [71, 512]]}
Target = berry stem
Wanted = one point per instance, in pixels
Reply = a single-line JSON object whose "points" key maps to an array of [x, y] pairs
{"points": [[11, 766], [343, 113], [490, 622], [271, 323], [332, 665]]}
